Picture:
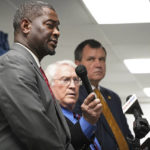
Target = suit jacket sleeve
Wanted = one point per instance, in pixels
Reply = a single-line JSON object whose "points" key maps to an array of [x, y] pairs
{"points": [[30, 113]]}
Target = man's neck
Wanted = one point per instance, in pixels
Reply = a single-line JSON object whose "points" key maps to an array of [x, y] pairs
{"points": [[94, 83]]}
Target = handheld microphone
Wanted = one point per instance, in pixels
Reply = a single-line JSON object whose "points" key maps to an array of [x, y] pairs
{"points": [[82, 73]]}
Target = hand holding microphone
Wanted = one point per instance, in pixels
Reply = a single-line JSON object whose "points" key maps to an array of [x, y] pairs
{"points": [[91, 107]]}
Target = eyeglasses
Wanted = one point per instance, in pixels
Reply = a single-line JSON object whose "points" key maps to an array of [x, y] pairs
{"points": [[67, 80]]}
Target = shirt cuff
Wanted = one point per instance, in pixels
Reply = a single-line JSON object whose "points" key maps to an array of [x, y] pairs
{"points": [[87, 128]]}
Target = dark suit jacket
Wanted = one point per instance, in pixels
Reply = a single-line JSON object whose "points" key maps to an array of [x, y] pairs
{"points": [[30, 119], [103, 132]]}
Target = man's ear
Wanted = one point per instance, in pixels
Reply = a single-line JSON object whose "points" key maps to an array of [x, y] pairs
{"points": [[77, 62], [25, 26]]}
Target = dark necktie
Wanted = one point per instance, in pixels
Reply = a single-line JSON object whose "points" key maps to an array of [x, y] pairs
{"points": [[46, 80], [77, 117]]}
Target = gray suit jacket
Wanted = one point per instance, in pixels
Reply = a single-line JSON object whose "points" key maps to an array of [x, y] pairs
{"points": [[30, 119]]}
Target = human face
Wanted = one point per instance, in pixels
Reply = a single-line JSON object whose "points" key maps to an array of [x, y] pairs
{"points": [[94, 61], [66, 94], [44, 33]]}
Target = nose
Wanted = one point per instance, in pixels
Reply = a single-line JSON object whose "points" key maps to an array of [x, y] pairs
{"points": [[56, 32], [72, 84], [97, 63]]}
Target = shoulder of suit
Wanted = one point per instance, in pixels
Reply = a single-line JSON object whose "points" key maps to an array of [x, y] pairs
{"points": [[108, 91]]}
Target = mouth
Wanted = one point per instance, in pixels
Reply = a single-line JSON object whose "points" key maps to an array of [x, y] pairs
{"points": [[53, 43], [98, 72], [71, 94]]}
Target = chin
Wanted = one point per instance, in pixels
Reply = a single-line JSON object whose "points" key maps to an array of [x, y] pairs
{"points": [[99, 78], [52, 52]]}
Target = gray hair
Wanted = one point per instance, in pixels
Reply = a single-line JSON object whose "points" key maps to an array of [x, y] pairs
{"points": [[29, 10], [50, 71]]}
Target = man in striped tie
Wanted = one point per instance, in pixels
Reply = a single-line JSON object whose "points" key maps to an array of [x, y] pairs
{"points": [[65, 86]]}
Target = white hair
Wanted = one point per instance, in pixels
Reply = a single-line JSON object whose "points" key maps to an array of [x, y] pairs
{"points": [[51, 69]]}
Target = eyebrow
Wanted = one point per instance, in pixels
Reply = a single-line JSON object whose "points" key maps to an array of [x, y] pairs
{"points": [[68, 77], [53, 21]]}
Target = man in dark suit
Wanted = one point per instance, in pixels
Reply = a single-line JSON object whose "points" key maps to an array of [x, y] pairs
{"points": [[30, 118], [65, 86], [92, 55]]}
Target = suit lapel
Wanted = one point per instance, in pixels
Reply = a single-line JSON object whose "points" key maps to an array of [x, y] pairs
{"points": [[62, 118]]}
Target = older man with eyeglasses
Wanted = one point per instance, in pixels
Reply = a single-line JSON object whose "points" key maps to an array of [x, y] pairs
{"points": [[65, 86]]}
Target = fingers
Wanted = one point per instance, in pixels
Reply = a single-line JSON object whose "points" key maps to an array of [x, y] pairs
{"points": [[91, 102], [94, 106], [89, 98], [91, 108], [91, 114]]}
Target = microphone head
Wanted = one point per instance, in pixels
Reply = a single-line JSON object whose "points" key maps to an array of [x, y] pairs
{"points": [[81, 71], [128, 97], [132, 104]]}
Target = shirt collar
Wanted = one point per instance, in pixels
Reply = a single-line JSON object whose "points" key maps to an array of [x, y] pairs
{"points": [[93, 87], [69, 115], [33, 55], [66, 111]]}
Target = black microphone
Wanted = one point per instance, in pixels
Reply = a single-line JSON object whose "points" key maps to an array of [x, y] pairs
{"points": [[134, 108], [82, 73]]}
